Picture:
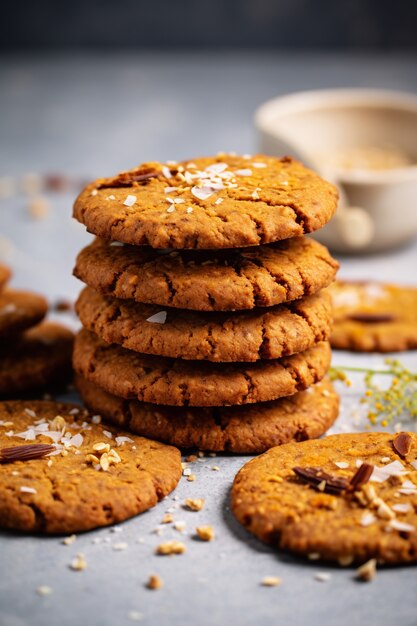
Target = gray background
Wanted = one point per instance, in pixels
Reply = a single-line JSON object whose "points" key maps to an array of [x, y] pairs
{"points": [[87, 114]]}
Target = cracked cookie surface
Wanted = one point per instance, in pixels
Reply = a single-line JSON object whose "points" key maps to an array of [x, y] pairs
{"points": [[161, 380], [376, 520], [38, 358], [20, 310], [245, 336], [221, 280], [248, 429], [374, 317], [215, 202], [65, 494]]}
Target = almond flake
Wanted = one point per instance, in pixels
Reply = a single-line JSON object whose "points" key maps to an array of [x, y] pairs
{"points": [[258, 165], [381, 474], [245, 172], [189, 209], [342, 464], [402, 507], [367, 519], [69, 540], [130, 200], [121, 440], [219, 201], [401, 526], [25, 489], [202, 193], [166, 172], [322, 577], [171, 209], [158, 318]]}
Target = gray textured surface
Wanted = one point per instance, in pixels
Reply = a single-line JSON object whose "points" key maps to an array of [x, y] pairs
{"points": [[92, 116]]}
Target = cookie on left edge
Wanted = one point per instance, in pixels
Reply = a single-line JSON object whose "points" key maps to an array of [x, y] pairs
{"points": [[20, 310], [38, 358], [92, 475]]}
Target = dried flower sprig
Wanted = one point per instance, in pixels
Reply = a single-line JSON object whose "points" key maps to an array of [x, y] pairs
{"points": [[385, 404]]}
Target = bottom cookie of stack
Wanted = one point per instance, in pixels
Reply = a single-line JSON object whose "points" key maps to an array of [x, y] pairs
{"points": [[245, 429]]}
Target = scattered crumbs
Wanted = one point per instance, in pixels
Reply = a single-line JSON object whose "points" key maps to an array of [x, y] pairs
{"points": [[313, 556], [44, 590], [155, 582], [205, 533], [140, 540], [158, 318], [271, 581], [345, 561], [121, 440], [135, 616], [69, 540], [215, 468], [186, 471], [191, 478], [119, 547], [191, 458], [130, 200], [167, 519], [180, 526], [170, 547], [322, 577], [194, 504], [79, 563], [108, 434], [212, 454], [367, 571], [25, 489], [111, 197]]}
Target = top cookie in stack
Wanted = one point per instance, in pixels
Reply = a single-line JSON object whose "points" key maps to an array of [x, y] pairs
{"points": [[203, 314]]}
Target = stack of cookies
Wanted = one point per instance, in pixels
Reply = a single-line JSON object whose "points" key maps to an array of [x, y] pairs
{"points": [[33, 354], [205, 323]]}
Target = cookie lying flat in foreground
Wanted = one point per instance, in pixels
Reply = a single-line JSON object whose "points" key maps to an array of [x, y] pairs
{"points": [[344, 498], [374, 317], [61, 471]]}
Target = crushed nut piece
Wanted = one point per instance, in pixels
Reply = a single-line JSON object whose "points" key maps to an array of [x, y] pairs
{"points": [[44, 590], [69, 540], [205, 533], [79, 563], [167, 519], [367, 571], [194, 504], [154, 582], [170, 547]]}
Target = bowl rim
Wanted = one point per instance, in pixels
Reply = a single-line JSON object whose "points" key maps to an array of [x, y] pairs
{"points": [[316, 99]]}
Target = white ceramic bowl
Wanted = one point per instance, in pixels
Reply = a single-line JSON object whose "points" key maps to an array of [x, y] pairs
{"points": [[310, 125]]}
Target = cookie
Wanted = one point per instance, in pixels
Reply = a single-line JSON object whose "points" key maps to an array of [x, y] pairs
{"points": [[161, 380], [246, 336], [40, 357], [215, 202], [224, 280], [20, 310], [248, 429], [374, 317], [5, 274], [105, 477], [301, 497]]}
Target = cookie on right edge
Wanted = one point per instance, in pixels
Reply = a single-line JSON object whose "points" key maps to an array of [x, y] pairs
{"points": [[5, 274], [374, 317], [346, 498]]}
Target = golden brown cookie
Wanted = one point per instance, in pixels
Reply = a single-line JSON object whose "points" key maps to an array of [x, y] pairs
{"points": [[249, 429], [75, 474], [161, 380], [245, 336], [221, 280], [301, 497], [374, 317], [214, 202], [38, 358], [20, 310], [5, 274]]}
